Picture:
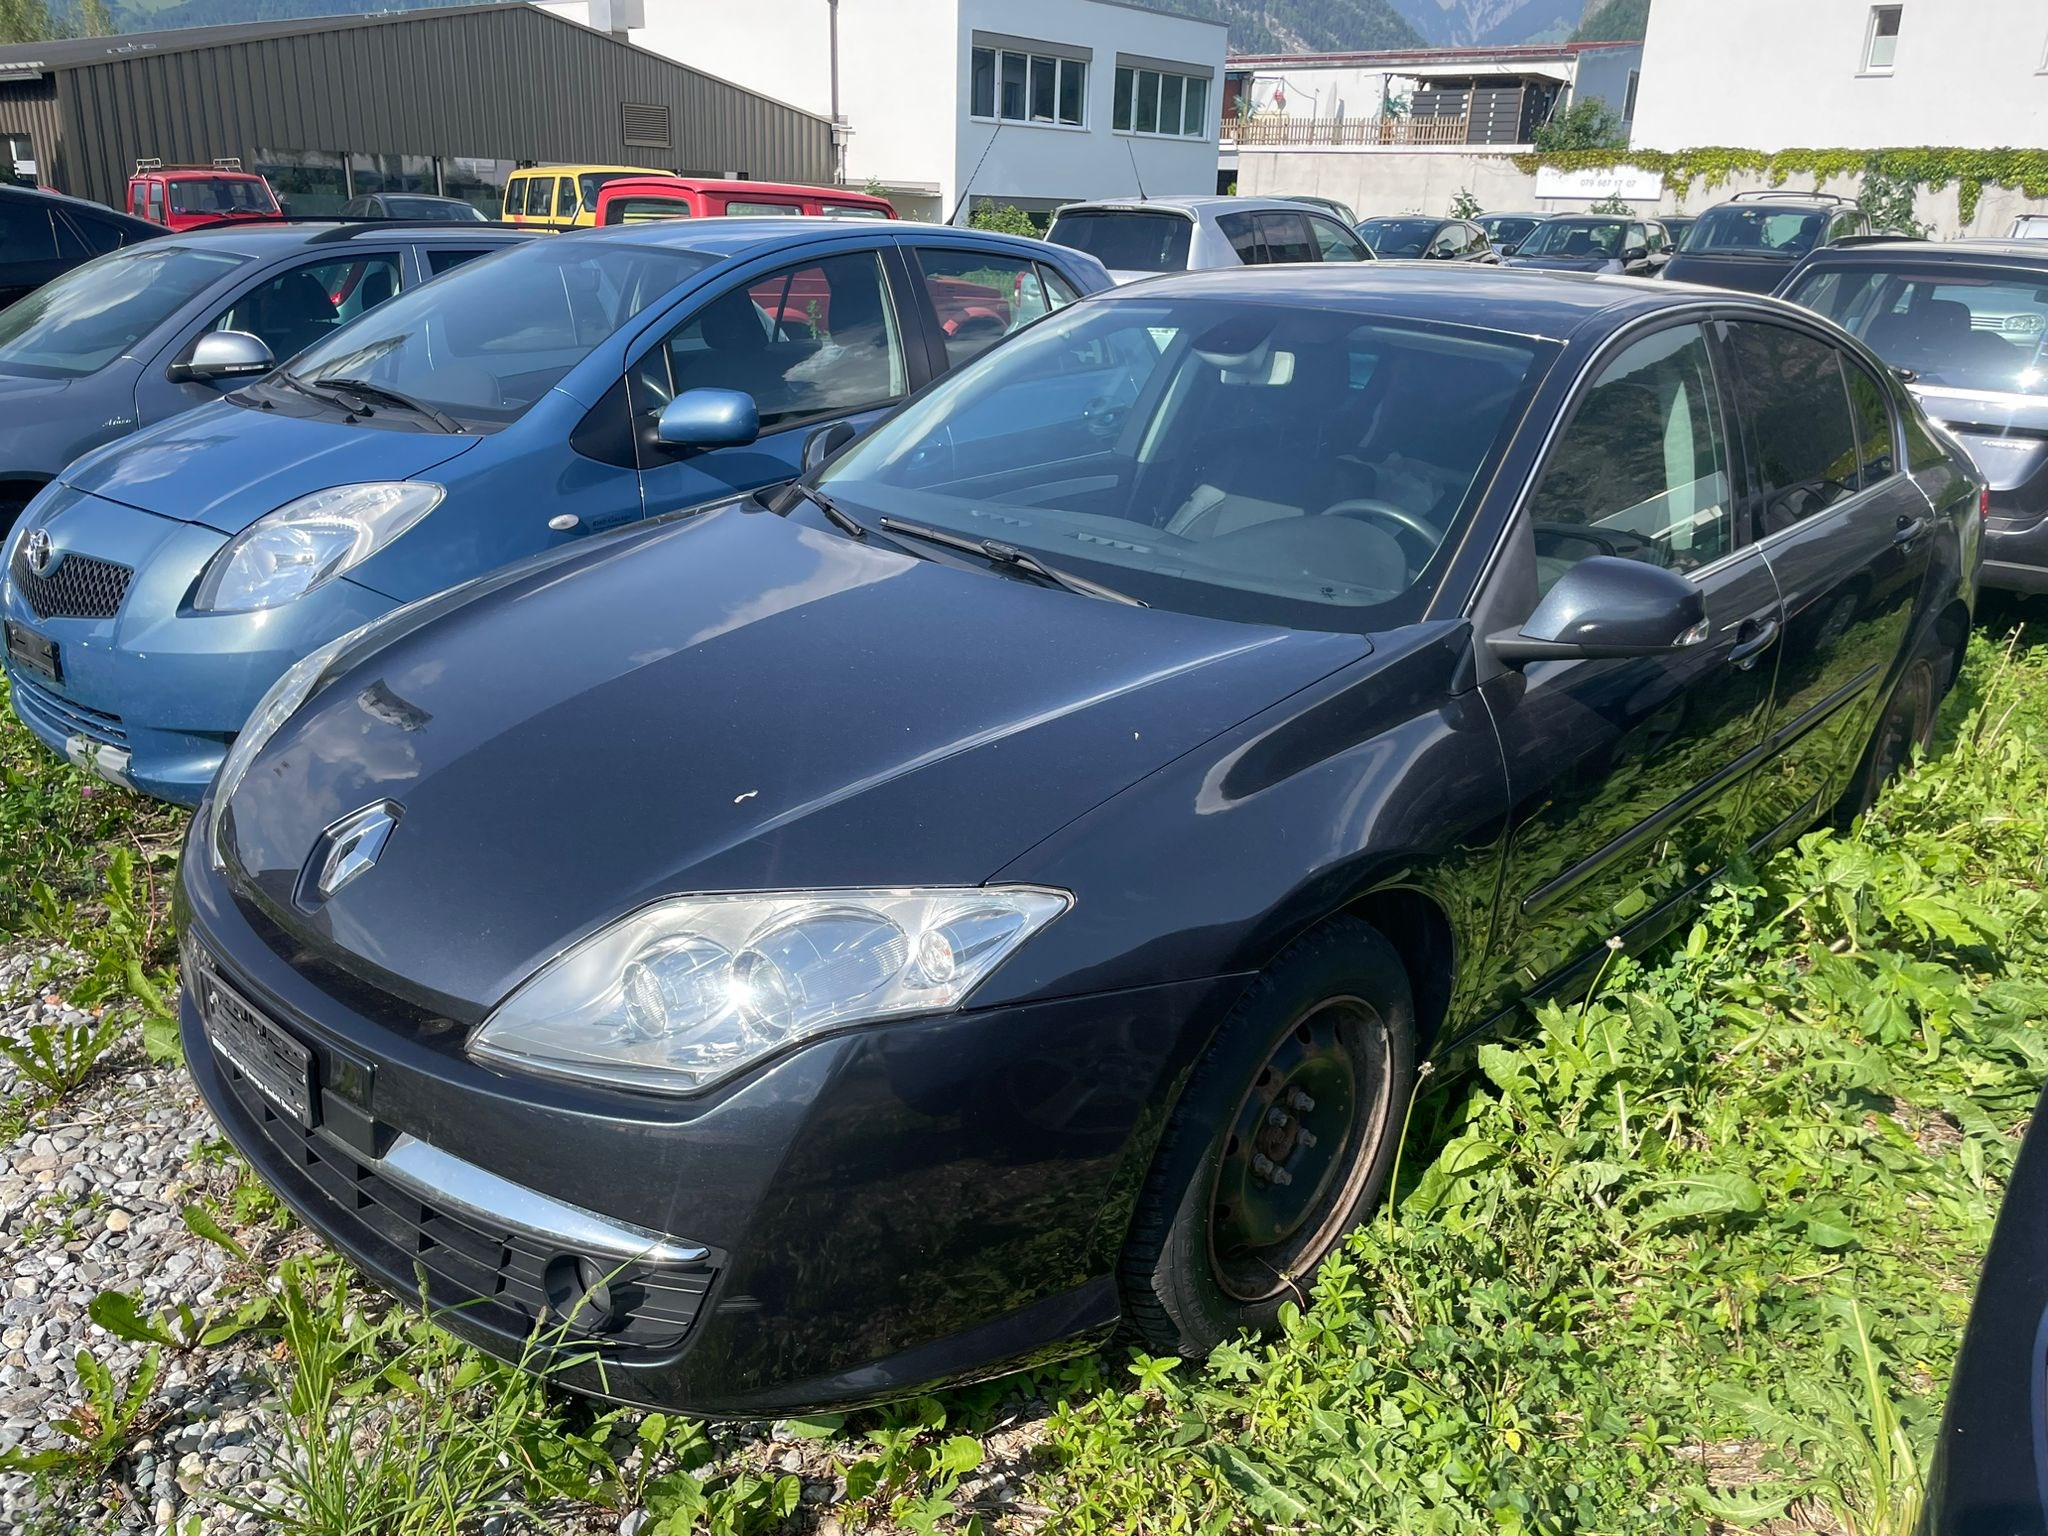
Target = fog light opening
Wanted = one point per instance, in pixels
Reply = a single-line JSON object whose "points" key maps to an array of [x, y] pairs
{"points": [[578, 1292]]}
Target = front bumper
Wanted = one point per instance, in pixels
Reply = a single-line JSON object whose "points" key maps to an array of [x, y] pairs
{"points": [[2016, 551], [152, 696], [878, 1213]]}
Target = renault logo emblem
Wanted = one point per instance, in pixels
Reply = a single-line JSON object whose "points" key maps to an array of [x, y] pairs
{"points": [[347, 849], [36, 552]]}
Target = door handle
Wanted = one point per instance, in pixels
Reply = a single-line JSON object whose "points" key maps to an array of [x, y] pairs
{"points": [[1747, 651], [1910, 529]]}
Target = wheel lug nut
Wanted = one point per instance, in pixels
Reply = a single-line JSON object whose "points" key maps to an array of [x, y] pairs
{"points": [[1299, 1102], [1282, 1176], [1279, 1119], [1306, 1139], [1263, 1166]]}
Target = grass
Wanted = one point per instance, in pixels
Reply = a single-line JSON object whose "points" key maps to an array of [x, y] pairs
{"points": [[1695, 1254]]}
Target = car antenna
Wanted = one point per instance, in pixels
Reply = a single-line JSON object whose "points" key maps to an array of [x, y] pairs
{"points": [[1140, 180], [968, 185]]}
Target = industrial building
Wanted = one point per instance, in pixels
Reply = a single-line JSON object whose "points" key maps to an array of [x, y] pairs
{"points": [[448, 101]]}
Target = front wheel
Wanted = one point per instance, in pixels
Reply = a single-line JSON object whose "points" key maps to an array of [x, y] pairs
{"points": [[1282, 1143]]}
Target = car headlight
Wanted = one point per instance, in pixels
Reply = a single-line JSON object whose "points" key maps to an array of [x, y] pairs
{"points": [[692, 990], [271, 711], [287, 553]]}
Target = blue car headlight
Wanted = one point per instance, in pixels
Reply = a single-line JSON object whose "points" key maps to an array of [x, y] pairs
{"points": [[287, 553], [689, 991]]}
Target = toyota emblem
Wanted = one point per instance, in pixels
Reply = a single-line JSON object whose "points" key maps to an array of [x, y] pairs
{"points": [[36, 551]]}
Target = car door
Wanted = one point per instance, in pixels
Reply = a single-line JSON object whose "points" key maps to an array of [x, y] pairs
{"points": [[28, 247], [1627, 775], [830, 337], [1336, 243], [1848, 537], [287, 307]]}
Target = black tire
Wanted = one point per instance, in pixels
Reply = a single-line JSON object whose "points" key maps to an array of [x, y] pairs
{"points": [[1334, 1012], [1907, 721]]}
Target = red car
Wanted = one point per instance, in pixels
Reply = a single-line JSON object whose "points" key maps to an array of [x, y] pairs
{"points": [[192, 196], [636, 199]]}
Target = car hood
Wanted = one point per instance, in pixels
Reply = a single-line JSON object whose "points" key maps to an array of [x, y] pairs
{"points": [[1751, 274], [726, 702], [37, 400], [225, 465]]}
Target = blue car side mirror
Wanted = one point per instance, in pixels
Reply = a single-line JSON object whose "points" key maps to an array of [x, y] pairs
{"points": [[709, 418]]}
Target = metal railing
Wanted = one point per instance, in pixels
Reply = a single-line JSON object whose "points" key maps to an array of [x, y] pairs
{"points": [[1278, 129]]}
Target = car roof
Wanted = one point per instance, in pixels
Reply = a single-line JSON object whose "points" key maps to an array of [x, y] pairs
{"points": [[81, 204], [1512, 301], [630, 184], [1884, 250], [277, 237], [1215, 203], [1514, 213], [741, 237]]}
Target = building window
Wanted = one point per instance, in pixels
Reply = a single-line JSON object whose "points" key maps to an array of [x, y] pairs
{"points": [[1019, 87], [1160, 101], [1628, 106], [1881, 48]]}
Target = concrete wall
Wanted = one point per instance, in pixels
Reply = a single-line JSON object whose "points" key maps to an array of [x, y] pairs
{"points": [[1396, 181], [1779, 74]]}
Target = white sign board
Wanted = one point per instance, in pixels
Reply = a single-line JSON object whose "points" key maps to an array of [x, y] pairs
{"points": [[1623, 181]]}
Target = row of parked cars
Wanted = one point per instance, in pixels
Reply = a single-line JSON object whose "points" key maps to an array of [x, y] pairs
{"points": [[827, 807]]}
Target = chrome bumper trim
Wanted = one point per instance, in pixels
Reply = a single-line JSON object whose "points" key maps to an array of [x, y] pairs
{"points": [[110, 763], [440, 1178]]}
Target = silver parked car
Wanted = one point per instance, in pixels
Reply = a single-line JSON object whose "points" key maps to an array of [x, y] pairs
{"points": [[1137, 237]]}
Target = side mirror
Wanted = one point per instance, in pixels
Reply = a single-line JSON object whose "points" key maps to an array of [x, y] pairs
{"points": [[709, 418], [825, 442], [1636, 253], [225, 355], [1509, 250], [1607, 606]]}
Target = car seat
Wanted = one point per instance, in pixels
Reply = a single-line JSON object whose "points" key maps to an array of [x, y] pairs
{"points": [[289, 313]]}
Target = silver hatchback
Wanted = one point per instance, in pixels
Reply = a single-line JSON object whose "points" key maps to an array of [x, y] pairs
{"points": [[1139, 237]]}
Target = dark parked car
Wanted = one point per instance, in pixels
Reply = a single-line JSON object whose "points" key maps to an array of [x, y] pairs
{"points": [[1505, 231], [1424, 239], [1751, 241], [1677, 226], [117, 344], [416, 206], [44, 235], [1593, 243], [1968, 322], [1989, 1473], [1006, 887]]}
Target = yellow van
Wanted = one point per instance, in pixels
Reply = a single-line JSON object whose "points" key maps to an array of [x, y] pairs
{"points": [[561, 196]]}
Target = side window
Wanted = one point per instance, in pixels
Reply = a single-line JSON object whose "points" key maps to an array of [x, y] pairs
{"points": [[979, 298], [1336, 243], [25, 233], [1286, 237], [156, 201], [760, 210], [807, 341], [102, 234], [1638, 238], [1244, 239], [565, 198], [301, 305], [1449, 241], [1059, 292], [516, 192], [1798, 408], [71, 245], [135, 198], [1476, 240], [446, 258], [1876, 456], [1641, 472]]}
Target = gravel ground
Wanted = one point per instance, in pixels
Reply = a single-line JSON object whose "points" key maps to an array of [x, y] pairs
{"points": [[90, 1201]]}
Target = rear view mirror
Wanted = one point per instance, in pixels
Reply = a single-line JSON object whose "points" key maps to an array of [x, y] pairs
{"points": [[709, 418], [1606, 606], [822, 444], [225, 355], [1636, 253]]}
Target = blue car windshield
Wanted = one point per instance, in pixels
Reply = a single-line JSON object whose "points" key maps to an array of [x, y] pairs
{"points": [[1266, 463], [82, 321], [485, 341]]}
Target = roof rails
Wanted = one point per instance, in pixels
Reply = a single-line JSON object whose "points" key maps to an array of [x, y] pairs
{"points": [[359, 229], [151, 165], [1789, 196], [1855, 240]]}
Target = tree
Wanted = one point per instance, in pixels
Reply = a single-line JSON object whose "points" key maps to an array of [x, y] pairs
{"points": [[1612, 204], [1003, 218], [1465, 205], [96, 18], [27, 21], [1589, 124]]}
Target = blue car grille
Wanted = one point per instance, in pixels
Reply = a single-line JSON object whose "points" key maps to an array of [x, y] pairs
{"points": [[78, 587], [58, 714]]}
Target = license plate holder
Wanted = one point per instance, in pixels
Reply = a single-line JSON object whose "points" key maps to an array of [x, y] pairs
{"points": [[275, 1061], [36, 652]]}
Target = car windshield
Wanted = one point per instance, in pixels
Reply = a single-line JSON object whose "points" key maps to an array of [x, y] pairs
{"points": [[1394, 239], [1127, 241], [1587, 239], [488, 339], [1272, 464], [1755, 229], [1508, 231], [221, 194], [1958, 330], [440, 209], [85, 319]]}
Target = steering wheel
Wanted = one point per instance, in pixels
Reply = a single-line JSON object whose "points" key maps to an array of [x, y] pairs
{"points": [[1371, 509]]}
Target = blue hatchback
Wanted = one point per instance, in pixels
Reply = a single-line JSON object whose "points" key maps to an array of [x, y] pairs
{"points": [[539, 395]]}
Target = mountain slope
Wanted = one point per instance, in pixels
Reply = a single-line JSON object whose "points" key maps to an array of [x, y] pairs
{"points": [[1497, 23], [1303, 26], [1616, 21]]}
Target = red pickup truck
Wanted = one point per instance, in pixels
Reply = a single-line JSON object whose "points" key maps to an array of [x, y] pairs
{"points": [[191, 196]]}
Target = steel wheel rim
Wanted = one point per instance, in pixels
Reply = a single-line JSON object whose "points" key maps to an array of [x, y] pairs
{"points": [[1280, 1199], [1908, 722]]}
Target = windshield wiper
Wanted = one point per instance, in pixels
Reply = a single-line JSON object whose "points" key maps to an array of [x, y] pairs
{"points": [[996, 552], [842, 519], [369, 391], [332, 402]]}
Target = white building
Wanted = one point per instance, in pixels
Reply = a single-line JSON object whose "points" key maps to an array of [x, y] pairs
{"points": [[948, 104], [1844, 74]]}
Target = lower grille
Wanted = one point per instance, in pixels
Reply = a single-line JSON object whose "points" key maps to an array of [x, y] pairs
{"points": [[495, 1277], [76, 587], [60, 715]]}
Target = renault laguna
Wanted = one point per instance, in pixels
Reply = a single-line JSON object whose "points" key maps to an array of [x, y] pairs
{"points": [[1003, 886]]}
